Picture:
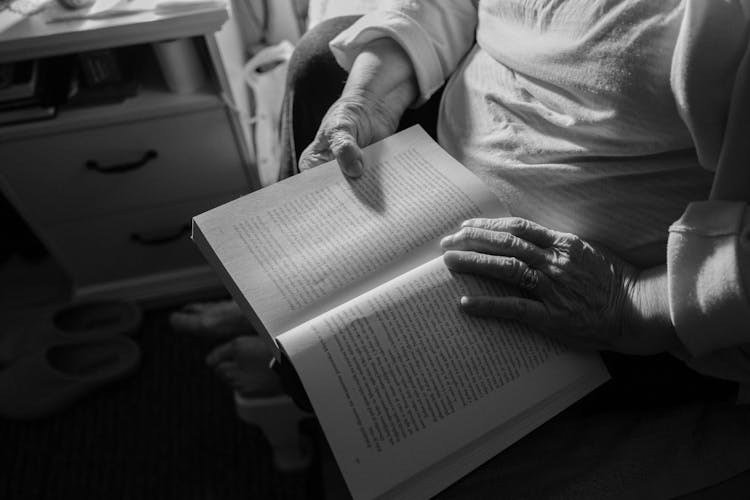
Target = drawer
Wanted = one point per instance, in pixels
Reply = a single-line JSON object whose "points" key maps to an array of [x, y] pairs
{"points": [[112, 169], [131, 245]]}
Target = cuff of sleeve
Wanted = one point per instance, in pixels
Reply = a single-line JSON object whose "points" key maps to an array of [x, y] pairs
{"points": [[406, 32], [707, 264]]}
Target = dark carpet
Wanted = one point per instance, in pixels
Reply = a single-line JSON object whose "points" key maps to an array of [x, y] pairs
{"points": [[167, 432]]}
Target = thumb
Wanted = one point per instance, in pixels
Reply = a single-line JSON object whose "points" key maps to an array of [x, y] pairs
{"points": [[316, 153], [345, 149]]}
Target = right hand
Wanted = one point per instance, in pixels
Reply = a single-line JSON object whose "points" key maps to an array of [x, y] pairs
{"points": [[357, 119]]}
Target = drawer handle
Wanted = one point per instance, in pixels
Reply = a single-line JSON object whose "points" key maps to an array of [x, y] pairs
{"points": [[160, 238], [122, 167]]}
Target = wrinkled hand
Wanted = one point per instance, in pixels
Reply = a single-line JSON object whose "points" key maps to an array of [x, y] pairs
{"points": [[352, 122], [574, 291]]}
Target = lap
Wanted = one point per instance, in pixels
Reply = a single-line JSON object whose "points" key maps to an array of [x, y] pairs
{"points": [[635, 453]]}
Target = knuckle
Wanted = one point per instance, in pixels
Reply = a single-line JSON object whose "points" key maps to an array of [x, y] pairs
{"points": [[473, 233], [576, 243], [513, 242], [560, 258], [480, 258], [573, 246], [512, 268], [546, 257], [566, 249], [339, 141], [467, 234], [555, 271], [310, 160], [517, 224], [498, 239], [484, 223], [570, 240], [476, 222]]}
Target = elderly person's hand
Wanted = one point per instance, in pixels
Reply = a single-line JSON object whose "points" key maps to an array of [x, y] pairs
{"points": [[355, 120], [380, 86], [577, 292]]}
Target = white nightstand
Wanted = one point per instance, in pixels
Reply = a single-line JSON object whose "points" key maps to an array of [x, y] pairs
{"points": [[111, 189]]}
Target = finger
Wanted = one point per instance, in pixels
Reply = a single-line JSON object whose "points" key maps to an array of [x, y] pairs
{"points": [[223, 352], [196, 307], [506, 269], [495, 243], [522, 228], [188, 322], [528, 311], [225, 369], [317, 153], [345, 149]]}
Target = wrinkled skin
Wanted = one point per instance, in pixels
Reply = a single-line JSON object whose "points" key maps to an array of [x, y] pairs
{"points": [[352, 122], [585, 295]]}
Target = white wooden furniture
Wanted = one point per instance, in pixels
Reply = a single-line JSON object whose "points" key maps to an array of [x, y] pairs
{"points": [[111, 189]]}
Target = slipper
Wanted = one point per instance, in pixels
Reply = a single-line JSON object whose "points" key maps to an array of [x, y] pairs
{"points": [[110, 317], [51, 324], [54, 377]]}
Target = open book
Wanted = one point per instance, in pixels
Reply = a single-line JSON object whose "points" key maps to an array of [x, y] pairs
{"points": [[347, 278]]}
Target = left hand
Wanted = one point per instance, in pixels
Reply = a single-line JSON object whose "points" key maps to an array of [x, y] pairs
{"points": [[579, 293]]}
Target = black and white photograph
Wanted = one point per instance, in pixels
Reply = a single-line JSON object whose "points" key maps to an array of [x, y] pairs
{"points": [[374, 249]]}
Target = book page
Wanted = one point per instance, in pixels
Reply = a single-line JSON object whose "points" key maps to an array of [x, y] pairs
{"points": [[403, 381], [297, 248]]}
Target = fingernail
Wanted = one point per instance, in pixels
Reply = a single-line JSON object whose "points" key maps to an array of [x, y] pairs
{"points": [[447, 258], [353, 169], [446, 241], [358, 168], [464, 301]]}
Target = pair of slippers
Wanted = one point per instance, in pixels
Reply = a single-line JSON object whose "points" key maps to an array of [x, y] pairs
{"points": [[51, 359]]}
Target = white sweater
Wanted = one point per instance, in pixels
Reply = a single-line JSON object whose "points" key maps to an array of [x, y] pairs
{"points": [[604, 118]]}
